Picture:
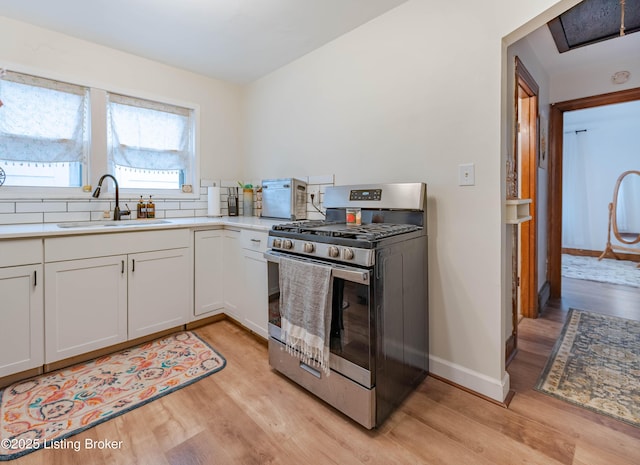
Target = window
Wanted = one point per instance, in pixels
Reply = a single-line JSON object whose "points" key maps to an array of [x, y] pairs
{"points": [[150, 143], [43, 131]]}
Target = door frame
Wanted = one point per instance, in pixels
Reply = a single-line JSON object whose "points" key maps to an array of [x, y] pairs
{"points": [[522, 183], [528, 173], [556, 127]]}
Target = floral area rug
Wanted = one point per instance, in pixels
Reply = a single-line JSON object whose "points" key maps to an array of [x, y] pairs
{"points": [[41, 411], [607, 270], [596, 364]]}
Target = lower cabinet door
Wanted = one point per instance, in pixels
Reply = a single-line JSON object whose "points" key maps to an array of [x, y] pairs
{"points": [[160, 293], [86, 305], [21, 315], [256, 309], [208, 273]]}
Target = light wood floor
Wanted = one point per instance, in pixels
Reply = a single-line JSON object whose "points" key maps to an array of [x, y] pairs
{"points": [[248, 414]]}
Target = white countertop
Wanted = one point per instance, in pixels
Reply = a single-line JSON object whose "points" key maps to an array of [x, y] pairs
{"points": [[20, 231]]}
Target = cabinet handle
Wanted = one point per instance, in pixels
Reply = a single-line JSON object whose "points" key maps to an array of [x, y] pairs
{"points": [[256, 240], [133, 264], [35, 278], [122, 267]]}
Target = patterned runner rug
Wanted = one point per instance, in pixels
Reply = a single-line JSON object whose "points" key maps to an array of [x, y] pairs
{"points": [[607, 270], [45, 410], [596, 364]]}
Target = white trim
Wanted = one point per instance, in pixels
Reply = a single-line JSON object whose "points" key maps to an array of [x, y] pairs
{"points": [[496, 389]]}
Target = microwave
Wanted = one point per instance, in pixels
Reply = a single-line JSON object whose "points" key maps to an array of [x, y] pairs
{"points": [[284, 198]]}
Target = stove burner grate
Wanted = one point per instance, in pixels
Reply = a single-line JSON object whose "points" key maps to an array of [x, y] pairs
{"points": [[367, 232]]}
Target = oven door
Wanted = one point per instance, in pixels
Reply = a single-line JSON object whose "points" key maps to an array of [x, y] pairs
{"points": [[352, 320]]}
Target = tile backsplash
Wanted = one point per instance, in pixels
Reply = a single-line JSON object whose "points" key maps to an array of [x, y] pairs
{"points": [[16, 211]]}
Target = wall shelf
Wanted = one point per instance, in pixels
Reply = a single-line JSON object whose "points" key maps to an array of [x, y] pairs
{"points": [[518, 211]]}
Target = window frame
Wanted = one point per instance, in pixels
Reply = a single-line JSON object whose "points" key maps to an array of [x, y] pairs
{"points": [[96, 163]]}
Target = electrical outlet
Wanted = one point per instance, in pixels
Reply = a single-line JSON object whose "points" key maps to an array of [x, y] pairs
{"points": [[313, 190], [466, 175]]}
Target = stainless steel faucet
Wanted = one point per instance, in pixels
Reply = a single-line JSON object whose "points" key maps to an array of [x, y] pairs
{"points": [[117, 214]]}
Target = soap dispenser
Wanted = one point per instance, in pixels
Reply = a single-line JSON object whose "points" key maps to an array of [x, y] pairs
{"points": [[142, 209], [151, 208]]}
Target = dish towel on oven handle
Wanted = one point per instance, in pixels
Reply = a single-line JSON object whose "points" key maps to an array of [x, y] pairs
{"points": [[305, 310]]}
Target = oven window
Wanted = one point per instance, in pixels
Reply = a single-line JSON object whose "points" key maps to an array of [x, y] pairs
{"points": [[350, 334], [350, 323]]}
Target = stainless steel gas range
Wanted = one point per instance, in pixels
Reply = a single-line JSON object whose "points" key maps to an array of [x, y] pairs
{"points": [[377, 297]]}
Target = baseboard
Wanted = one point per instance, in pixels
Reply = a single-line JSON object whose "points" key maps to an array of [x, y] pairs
{"points": [[544, 295], [494, 389]]}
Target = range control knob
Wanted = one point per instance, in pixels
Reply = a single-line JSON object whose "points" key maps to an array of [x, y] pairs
{"points": [[277, 243], [309, 247], [334, 252], [348, 254], [287, 244]]}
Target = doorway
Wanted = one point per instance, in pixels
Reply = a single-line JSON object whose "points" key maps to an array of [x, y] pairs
{"points": [[555, 174]]}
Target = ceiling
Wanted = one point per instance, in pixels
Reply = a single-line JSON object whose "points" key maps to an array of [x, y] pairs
{"points": [[243, 40], [555, 62], [233, 40]]}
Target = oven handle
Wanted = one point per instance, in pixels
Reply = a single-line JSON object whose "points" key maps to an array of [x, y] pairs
{"points": [[337, 271]]}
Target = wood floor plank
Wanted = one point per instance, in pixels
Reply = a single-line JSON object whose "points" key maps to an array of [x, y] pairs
{"points": [[504, 422], [476, 435]]}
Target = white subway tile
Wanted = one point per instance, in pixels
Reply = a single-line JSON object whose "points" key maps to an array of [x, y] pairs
{"points": [[88, 206], [193, 204], [179, 213], [33, 207], [167, 205], [7, 207], [201, 212], [19, 218], [67, 216], [97, 216]]}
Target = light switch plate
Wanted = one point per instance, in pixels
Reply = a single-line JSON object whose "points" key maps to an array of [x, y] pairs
{"points": [[466, 174]]}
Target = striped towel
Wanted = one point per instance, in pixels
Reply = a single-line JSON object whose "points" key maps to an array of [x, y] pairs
{"points": [[305, 310]]}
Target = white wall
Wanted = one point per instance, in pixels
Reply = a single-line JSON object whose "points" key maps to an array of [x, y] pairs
{"points": [[408, 97], [31, 49]]}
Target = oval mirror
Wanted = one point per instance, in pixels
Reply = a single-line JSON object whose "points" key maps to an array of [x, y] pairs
{"points": [[626, 208]]}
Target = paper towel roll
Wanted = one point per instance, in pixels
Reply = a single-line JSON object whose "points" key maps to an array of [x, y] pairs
{"points": [[213, 201]]}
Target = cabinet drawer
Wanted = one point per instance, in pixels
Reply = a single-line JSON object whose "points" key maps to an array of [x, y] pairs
{"points": [[253, 240], [103, 245], [20, 252]]}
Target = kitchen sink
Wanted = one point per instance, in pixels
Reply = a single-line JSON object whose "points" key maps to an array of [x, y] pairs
{"points": [[109, 224]]}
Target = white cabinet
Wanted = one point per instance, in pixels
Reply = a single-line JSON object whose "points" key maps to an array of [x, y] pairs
{"points": [[102, 289], [86, 305], [208, 273], [159, 291], [232, 274], [245, 278], [255, 310], [21, 311]]}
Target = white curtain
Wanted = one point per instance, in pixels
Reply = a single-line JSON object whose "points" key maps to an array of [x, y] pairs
{"points": [[575, 210], [149, 135], [42, 120]]}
